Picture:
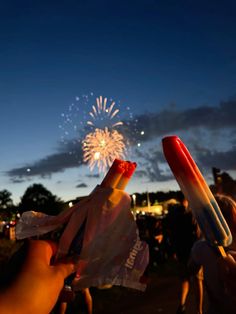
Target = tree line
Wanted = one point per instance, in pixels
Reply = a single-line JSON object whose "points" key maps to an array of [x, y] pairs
{"points": [[36, 197], [39, 198]]}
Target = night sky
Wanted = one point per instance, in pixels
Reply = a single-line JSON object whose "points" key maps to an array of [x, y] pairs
{"points": [[171, 63]]}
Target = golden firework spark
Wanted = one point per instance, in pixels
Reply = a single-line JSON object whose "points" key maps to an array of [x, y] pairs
{"points": [[101, 147], [102, 111]]}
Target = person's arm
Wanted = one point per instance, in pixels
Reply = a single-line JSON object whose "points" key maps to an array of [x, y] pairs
{"points": [[37, 287], [227, 271]]}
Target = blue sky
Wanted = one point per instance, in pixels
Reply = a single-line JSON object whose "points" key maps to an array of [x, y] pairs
{"points": [[172, 62]]}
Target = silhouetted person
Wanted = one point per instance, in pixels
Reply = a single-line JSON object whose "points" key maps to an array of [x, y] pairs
{"points": [[219, 288], [183, 233]]}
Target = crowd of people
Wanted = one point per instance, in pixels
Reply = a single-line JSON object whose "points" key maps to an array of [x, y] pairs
{"points": [[178, 236], [38, 285]]}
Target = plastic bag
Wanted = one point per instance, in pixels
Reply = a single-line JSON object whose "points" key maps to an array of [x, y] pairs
{"points": [[111, 252]]}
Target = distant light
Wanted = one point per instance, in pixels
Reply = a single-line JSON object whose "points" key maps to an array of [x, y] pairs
{"points": [[28, 169], [70, 204], [138, 144], [142, 132], [18, 215]]}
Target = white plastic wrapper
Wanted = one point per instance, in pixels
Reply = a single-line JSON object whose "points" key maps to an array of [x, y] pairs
{"points": [[111, 252]]}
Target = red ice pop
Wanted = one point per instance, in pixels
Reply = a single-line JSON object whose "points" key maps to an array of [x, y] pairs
{"points": [[119, 174], [197, 192]]}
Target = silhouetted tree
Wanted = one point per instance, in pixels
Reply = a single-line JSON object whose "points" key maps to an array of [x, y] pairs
{"points": [[5, 199], [38, 198], [6, 205]]}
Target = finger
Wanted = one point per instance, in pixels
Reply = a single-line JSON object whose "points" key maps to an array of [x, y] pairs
{"points": [[40, 250]]}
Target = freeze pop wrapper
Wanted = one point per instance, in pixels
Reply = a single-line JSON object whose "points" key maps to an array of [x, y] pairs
{"points": [[112, 252], [118, 177], [112, 178], [197, 192], [102, 233]]}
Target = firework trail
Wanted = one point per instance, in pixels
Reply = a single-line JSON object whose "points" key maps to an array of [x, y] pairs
{"points": [[104, 113]]}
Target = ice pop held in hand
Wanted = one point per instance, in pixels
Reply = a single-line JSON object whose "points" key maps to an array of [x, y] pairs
{"points": [[197, 192], [119, 174], [127, 174], [114, 174]]}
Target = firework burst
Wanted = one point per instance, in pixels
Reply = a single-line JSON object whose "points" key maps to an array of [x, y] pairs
{"points": [[104, 113], [116, 123], [101, 147]]}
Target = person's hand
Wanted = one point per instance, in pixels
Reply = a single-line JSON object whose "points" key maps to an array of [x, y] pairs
{"points": [[227, 271], [37, 287]]}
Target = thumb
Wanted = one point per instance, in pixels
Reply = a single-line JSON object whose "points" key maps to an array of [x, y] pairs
{"points": [[63, 270]]}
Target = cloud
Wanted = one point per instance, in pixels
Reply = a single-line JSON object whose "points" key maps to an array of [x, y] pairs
{"points": [[223, 160], [16, 180], [172, 120], [151, 162], [197, 124], [208, 132], [45, 167], [81, 185], [96, 175], [155, 170]]}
